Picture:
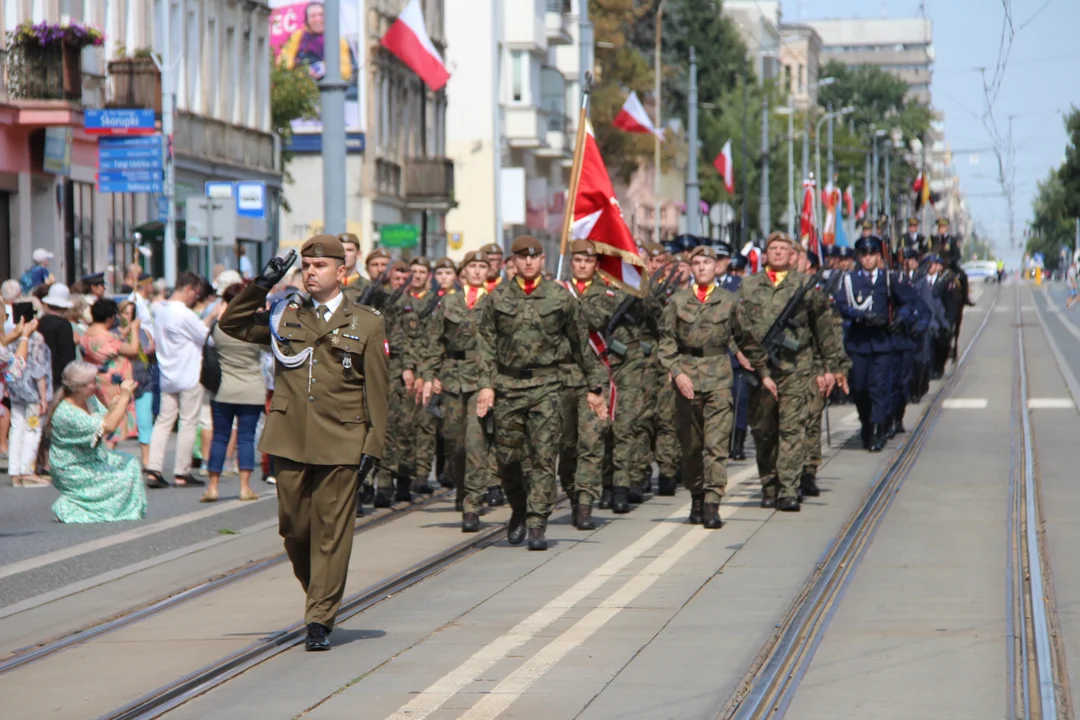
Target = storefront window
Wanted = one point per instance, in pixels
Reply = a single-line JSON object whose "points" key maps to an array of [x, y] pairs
{"points": [[78, 229]]}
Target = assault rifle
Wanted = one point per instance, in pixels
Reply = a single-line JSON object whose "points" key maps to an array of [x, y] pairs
{"points": [[777, 337], [621, 314], [376, 286]]}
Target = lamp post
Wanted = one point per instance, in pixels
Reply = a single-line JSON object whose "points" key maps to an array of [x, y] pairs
{"points": [[875, 203], [828, 117], [790, 112], [657, 71]]}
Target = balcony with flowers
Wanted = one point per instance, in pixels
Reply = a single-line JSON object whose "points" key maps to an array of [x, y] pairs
{"points": [[44, 61]]}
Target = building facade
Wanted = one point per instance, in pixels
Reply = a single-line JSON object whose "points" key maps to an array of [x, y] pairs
{"points": [[902, 46], [758, 22], [800, 53], [512, 142]]}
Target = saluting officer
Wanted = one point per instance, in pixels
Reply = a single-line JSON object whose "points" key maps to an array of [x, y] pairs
{"points": [[698, 328], [327, 419], [914, 239], [530, 330]]}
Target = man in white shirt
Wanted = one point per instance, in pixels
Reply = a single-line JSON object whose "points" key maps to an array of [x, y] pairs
{"points": [[179, 336], [144, 290]]}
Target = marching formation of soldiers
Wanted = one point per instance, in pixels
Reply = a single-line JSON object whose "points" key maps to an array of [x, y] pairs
{"points": [[512, 386]]}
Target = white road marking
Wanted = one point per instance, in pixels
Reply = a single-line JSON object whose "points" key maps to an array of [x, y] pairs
{"points": [[1051, 404], [503, 695], [1003, 309], [449, 685], [965, 404], [134, 534]]}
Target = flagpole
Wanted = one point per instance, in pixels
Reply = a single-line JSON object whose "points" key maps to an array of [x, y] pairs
{"points": [[575, 174]]}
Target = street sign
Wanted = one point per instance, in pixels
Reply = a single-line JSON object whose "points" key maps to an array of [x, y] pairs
{"points": [[118, 121], [399, 236], [130, 164], [210, 219], [57, 158], [163, 208], [218, 189], [251, 199]]}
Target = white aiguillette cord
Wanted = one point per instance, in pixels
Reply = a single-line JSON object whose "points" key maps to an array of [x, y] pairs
{"points": [[289, 361]]}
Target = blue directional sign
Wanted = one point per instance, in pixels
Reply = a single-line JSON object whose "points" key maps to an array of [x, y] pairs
{"points": [[251, 199], [129, 164], [118, 121]]}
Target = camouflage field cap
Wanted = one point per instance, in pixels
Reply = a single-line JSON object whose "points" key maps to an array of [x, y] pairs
{"points": [[323, 246]]}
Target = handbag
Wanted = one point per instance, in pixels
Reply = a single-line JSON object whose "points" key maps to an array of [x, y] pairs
{"points": [[210, 373]]}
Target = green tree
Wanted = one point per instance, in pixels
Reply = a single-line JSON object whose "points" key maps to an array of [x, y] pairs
{"points": [[1052, 224], [293, 96], [1070, 168]]}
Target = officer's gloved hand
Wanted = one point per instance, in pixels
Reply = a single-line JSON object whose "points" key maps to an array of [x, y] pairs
{"points": [[872, 319], [275, 270], [367, 464], [898, 326]]}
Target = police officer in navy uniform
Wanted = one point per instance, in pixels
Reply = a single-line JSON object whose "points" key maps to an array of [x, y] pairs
{"points": [[864, 299], [740, 392], [911, 321]]}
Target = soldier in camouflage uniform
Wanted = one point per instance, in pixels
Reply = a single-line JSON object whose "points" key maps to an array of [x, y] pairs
{"points": [[697, 331], [777, 423], [529, 332], [620, 438], [450, 369]]}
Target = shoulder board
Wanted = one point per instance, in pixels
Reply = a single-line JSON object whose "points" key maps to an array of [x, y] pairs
{"points": [[370, 309]]}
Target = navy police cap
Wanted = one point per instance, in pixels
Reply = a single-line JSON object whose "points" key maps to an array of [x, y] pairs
{"points": [[868, 244]]}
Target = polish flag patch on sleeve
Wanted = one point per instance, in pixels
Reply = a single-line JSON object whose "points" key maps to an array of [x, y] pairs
{"points": [[386, 347]]}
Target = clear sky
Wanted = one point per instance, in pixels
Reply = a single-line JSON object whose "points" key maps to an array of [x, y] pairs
{"points": [[1040, 82]]}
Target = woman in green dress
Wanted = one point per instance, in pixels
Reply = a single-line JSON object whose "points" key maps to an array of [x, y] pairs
{"points": [[96, 484]]}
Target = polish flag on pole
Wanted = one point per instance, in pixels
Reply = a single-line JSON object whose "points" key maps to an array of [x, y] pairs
{"points": [[726, 167], [597, 217], [807, 222], [408, 40], [849, 201], [632, 118]]}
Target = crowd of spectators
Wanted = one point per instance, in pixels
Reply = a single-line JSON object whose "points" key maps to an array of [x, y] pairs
{"points": [[91, 372]]}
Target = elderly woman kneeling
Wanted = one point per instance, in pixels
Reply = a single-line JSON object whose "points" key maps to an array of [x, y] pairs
{"points": [[96, 484]]}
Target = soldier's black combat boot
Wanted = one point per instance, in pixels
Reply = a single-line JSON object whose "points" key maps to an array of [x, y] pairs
{"points": [[710, 518], [620, 500], [359, 507], [665, 486], [635, 494], [738, 445], [495, 496], [515, 530], [423, 487], [537, 541], [877, 444], [788, 504], [445, 481], [583, 516], [382, 499], [470, 522], [402, 488], [768, 502], [367, 493], [808, 484], [605, 499], [697, 500]]}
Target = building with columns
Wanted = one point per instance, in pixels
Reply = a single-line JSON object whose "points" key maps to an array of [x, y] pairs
{"points": [[221, 60]]}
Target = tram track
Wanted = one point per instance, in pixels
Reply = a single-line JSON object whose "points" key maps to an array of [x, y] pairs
{"points": [[46, 648], [769, 686]]}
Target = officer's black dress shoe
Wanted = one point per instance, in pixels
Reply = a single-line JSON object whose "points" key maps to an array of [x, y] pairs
{"points": [[381, 500], [697, 500], [537, 541], [318, 637], [605, 499], [495, 496], [788, 504], [583, 516], [470, 522], [620, 500], [710, 518], [768, 502], [808, 485], [877, 444], [738, 450], [367, 494], [665, 486], [515, 530]]}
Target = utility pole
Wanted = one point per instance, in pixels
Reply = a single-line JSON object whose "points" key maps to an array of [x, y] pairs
{"points": [[791, 167], [332, 92], [742, 169], [693, 190], [168, 96], [830, 161], [874, 208], [888, 194], [763, 211], [658, 69], [806, 146], [867, 188]]}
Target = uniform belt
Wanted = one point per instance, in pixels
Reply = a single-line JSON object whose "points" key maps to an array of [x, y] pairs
{"points": [[461, 355], [529, 373], [702, 352], [394, 354]]}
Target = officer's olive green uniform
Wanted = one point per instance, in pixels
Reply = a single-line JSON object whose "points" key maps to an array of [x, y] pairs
{"points": [[695, 338], [324, 414], [451, 357], [778, 426], [526, 344]]}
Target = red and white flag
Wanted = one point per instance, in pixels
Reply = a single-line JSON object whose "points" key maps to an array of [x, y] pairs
{"points": [[632, 118], [409, 41], [863, 209], [597, 217], [726, 167], [807, 221], [830, 205], [849, 201]]}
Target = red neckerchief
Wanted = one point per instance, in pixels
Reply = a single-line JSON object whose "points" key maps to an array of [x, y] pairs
{"points": [[489, 285], [582, 285], [472, 294], [772, 276], [528, 285], [703, 291]]}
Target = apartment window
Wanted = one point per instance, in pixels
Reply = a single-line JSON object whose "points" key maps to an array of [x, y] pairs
{"points": [[517, 75], [800, 90], [787, 78]]}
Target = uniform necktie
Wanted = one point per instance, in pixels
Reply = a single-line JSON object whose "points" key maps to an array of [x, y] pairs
{"points": [[323, 312]]}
